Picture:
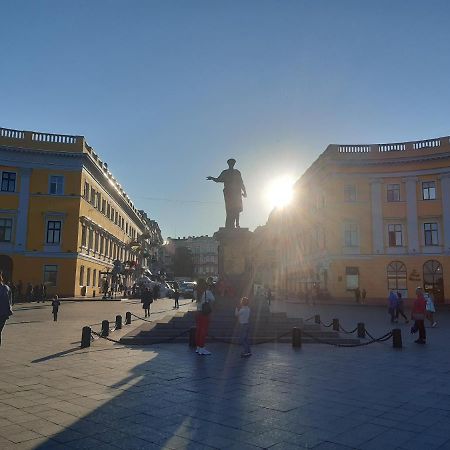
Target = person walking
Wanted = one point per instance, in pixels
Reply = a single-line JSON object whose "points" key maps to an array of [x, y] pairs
{"points": [[418, 315], [176, 296], [242, 312], [55, 308], [430, 308], [5, 304], [204, 298], [393, 304], [29, 295], [363, 295], [357, 295], [147, 300], [37, 293], [400, 308]]}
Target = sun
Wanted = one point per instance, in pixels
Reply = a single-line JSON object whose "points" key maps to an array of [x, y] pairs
{"points": [[280, 191]]}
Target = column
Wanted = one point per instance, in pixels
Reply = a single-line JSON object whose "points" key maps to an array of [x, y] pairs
{"points": [[445, 193], [377, 217], [22, 210], [411, 214]]}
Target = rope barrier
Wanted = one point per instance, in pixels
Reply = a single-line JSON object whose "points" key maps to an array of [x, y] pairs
{"points": [[325, 325], [347, 332], [321, 341], [309, 318]]}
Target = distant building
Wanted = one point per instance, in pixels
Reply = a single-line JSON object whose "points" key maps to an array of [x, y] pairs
{"points": [[204, 250], [64, 218], [373, 217]]}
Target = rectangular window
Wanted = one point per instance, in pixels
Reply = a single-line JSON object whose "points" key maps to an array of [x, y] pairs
{"points": [[106, 247], [352, 277], [101, 245], [350, 193], [96, 242], [90, 239], [429, 190], [81, 275], [395, 235], [103, 206], [93, 196], [50, 275], [94, 277], [86, 191], [56, 185], [393, 192], [108, 210], [351, 235], [83, 235], [431, 233], [53, 232], [5, 230], [88, 277], [8, 181]]}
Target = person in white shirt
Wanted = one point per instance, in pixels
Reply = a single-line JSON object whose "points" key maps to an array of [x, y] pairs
{"points": [[242, 312], [204, 298]]}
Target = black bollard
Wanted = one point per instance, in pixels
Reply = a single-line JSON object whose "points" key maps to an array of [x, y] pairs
{"points": [[296, 337], [192, 332], [86, 337], [317, 319], [105, 328], [118, 322], [397, 338], [361, 330], [128, 318], [336, 324]]}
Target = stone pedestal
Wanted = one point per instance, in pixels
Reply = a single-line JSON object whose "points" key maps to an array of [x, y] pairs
{"points": [[234, 258]]}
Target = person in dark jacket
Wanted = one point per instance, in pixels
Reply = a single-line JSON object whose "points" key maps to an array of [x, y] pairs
{"points": [[55, 307], [147, 300], [5, 304]]}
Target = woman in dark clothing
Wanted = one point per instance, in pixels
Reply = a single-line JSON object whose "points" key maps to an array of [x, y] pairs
{"points": [[147, 300], [5, 305]]}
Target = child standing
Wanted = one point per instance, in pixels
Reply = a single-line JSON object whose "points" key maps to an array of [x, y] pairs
{"points": [[55, 307], [242, 312]]}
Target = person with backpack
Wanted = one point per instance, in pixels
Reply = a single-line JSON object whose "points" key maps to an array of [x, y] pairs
{"points": [[5, 304], [204, 298]]}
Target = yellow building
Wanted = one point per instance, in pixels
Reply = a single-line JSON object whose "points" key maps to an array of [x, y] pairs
{"points": [[64, 219], [368, 217]]}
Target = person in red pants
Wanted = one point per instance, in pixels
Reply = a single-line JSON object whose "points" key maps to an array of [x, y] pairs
{"points": [[204, 298], [418, 315]]}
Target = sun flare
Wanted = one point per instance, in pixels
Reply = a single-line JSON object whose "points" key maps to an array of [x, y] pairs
{"points": [[280, 191]]}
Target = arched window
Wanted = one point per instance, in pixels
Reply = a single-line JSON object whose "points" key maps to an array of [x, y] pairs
{"points": [[433, 279], [396, 276]]}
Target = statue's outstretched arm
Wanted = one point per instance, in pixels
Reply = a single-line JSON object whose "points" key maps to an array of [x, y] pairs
{"points": [[216, 180]]}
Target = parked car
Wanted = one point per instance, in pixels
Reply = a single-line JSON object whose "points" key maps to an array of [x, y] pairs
{"points": [[187, 288]]}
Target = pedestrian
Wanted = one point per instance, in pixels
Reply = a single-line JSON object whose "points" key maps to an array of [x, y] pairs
{"points": [[357, 295], [363, 295], [37, 293], [29, 295], [55, 307], [155, 291], [176, 296], [43, 292], [242, 312], [5, 304], [418, 315], [269, 296], [400, 308], [204, 298], [430, 308], [147, 300], [393, 303], [19, 289]]}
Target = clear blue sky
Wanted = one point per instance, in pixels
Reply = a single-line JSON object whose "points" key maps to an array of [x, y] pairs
{"points": [[166, 91]]}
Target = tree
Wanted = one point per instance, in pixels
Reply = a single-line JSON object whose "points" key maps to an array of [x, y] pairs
{"points": [[183, 262]]}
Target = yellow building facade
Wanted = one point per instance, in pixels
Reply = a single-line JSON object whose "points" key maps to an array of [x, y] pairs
{"points": [[370, 217], [64, 218]]}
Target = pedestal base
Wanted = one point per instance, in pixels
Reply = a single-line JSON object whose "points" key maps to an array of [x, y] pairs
{"points": [[234, 259]]}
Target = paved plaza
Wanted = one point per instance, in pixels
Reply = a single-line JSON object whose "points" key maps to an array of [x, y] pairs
{"points": [[55, 395]]}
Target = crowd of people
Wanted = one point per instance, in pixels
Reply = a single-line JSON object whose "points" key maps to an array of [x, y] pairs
{"points": [[423, 308], [28, 292]]}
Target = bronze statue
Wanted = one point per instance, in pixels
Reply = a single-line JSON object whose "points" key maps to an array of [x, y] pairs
{"points": [[233, 191]]}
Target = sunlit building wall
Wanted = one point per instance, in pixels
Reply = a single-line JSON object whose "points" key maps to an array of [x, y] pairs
{"points": [[64, 218], [373, 217]]}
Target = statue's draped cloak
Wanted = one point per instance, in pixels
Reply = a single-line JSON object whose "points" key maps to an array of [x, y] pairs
{"points": [[232, 191]]}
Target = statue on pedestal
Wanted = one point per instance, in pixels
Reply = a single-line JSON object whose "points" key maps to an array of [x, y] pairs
{"points": [[233, 191]]}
